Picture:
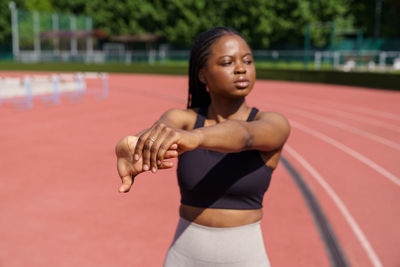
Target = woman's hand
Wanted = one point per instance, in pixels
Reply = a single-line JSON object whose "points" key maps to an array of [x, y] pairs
{"points": [[128, 167], [154, 142]]}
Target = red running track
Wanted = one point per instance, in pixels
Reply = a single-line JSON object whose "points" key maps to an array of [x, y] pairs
{"points": [[58, 186]]}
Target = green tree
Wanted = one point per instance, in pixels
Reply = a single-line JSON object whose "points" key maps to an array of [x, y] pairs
{"points": [[39, 5], [5, 20], [264, 23], [367, 19]]}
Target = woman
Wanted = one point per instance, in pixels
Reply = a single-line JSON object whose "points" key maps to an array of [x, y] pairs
{"points": [[227, 153]]}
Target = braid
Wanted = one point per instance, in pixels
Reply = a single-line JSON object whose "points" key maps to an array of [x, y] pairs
{"points": [[198, 95]]}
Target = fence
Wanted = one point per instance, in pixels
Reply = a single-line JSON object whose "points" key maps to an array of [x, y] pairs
{"points": [[34, 32], [45, 37], [383, 61], [336, 60]]}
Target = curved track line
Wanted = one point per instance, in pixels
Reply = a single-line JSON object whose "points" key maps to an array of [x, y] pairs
{"points": [[348, 115], [344, 126], [341, 206], [348, 150], [332, 246], [377, 113]]}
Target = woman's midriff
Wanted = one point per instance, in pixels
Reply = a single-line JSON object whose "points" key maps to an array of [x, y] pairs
{"points": [[220, 217]]}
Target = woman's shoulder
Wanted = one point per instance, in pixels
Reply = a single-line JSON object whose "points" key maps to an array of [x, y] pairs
{"points": [[269, 114], [178, 112], [274, 118], [181, 118]]}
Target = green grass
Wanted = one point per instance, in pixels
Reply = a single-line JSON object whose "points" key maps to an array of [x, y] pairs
{"points": [[292, 72], [159, 68], [290, 65]]}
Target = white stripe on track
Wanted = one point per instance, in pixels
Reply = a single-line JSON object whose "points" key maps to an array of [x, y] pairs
{"points": [[348, 150], [353, 107], [373, 112], [341, 206], [344, 126], [348, 115]]}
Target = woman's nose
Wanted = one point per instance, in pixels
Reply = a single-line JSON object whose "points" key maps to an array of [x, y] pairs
{"points": [[239, 68]]}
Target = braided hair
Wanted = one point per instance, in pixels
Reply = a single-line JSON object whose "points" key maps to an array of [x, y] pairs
{"points": [[198, 95]]}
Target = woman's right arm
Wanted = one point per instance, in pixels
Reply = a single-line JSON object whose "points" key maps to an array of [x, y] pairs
{"points": [[169, 124], [128, 166]]}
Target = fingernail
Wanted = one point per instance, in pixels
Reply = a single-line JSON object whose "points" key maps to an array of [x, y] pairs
{"points": [[145, 167], [136, 157], [158, 162], [153, 170]]}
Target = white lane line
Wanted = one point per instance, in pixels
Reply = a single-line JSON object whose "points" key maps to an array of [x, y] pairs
{"points": [[348, 150], [353, 107], [341, 206], [349, 115], [344, 126], [374, 112], [322, 100]]}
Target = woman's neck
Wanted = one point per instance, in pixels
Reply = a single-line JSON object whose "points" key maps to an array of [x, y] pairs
{"points": [[224, 111]]}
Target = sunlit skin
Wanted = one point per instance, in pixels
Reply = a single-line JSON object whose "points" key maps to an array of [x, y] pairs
{"points": [[229, 76]]}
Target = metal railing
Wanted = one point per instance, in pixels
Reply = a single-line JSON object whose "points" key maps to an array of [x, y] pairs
{"points": [[294, 59]]}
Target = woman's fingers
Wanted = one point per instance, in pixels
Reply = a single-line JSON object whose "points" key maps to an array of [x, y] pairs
{"points": [[128, 167], [170, 141], [145, 143], [146, 154], [155, 141], [158, 145], [127, 182], [140, 144], [166, 165], [170, 154], [153, 144], [128, 173]]}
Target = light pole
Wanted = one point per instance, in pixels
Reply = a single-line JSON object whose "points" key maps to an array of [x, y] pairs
{"points": [[378, 12], [14, 27]]}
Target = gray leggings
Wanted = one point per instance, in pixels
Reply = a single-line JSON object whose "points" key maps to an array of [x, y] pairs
{"points": [[196, 245]]}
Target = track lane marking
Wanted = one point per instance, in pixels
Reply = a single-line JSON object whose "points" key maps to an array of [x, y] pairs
{"points": [[377, 113], [344, 126], [335, 252], [341, 206], [348, 115], [348, 150]]}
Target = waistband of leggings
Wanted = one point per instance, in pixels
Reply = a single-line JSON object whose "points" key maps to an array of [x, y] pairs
{"points": [[241, 227]]}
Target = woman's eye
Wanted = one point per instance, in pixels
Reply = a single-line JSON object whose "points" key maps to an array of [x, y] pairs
{"points": [[226, 63], [248, 62]]}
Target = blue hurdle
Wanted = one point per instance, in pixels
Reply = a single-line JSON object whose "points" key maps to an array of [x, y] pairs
{"points": [[23, 90], [26, 102]]}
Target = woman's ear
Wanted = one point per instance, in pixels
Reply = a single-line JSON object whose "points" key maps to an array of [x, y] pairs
{"points": [[202, 77]]}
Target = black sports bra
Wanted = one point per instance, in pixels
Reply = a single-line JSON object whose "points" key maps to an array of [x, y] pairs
{"points": [[211, 179]]}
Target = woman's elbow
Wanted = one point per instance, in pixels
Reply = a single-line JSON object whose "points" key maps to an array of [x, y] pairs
{"points": [[248, 139]]}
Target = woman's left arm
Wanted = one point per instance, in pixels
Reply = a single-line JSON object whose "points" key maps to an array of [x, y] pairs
{"points": [[269, 132]]}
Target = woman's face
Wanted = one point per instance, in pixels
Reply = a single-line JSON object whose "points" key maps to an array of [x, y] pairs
{"points": [[229, 71]]}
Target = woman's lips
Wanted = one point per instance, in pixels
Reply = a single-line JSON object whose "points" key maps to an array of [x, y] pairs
{"points": [[241, 84]]}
